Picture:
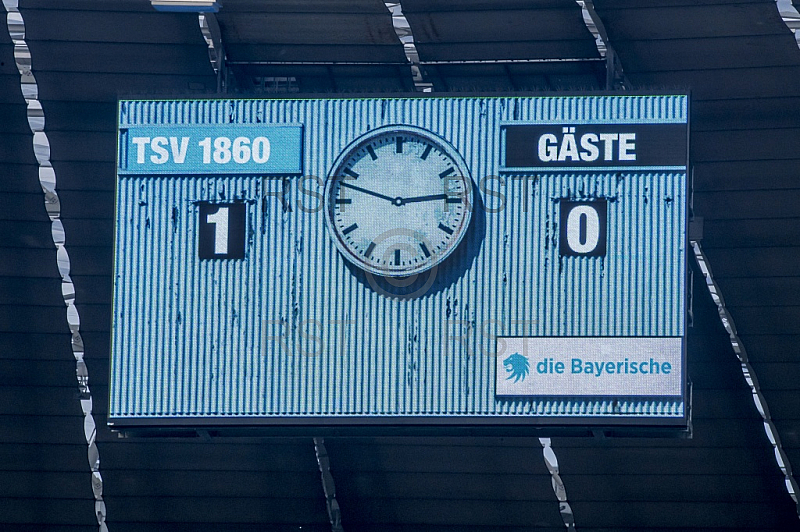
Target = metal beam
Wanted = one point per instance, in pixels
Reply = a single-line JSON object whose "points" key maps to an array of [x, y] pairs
{"points": [[403, 30], [209, 26], [615, 77]]}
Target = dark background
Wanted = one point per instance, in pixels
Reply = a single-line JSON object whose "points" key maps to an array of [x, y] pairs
{"points": [[742, 66]]}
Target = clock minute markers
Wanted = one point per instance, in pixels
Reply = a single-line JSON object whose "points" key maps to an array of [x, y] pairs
{"points": [[407, 169]]}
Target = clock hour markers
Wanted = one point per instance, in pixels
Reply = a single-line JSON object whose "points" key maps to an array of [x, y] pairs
{"points": [[426, 152], [424, 249], [396, 220]]}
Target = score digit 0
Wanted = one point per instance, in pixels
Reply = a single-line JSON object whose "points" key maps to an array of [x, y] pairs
{"points": [[583, 228]]}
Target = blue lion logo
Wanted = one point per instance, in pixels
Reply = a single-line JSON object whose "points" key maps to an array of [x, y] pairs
{"points": [[518, 367]]}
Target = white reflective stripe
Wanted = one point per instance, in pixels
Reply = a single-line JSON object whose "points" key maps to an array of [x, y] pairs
{"points": [[328, 486], [749, 376], [790, 16], [559, 489], [47, 180], [404, 32]]}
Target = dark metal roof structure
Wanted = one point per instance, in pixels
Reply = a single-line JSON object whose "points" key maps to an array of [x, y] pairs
{"points": [[327, 46], [742, 66], [479, 45]]}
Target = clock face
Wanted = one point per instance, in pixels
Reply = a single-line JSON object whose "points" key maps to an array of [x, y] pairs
{"points": [[399, 201]]}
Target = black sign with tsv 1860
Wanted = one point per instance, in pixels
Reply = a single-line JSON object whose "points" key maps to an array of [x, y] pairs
{"points": [[221, 230], [594, 145], [583, 228]]}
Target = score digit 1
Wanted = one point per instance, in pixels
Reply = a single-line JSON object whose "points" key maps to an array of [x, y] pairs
{"points": [[221, 230]]}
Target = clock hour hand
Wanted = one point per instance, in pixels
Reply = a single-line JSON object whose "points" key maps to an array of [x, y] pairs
{"points": [[365, 191], [433, 197]]}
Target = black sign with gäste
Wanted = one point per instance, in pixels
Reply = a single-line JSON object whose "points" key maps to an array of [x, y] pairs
{"points": [[595, 145]]}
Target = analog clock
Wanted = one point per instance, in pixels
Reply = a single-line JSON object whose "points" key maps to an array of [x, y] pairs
{"points": [[399, 201]]}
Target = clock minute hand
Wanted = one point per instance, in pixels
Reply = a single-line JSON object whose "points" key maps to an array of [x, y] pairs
{"points": [[365, 191]]}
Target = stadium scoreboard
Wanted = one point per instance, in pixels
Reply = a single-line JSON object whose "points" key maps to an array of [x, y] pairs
{"points": [[401, 261]]}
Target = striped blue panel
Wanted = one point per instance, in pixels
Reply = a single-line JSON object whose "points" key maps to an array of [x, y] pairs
{"points": [[294, 331]]}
